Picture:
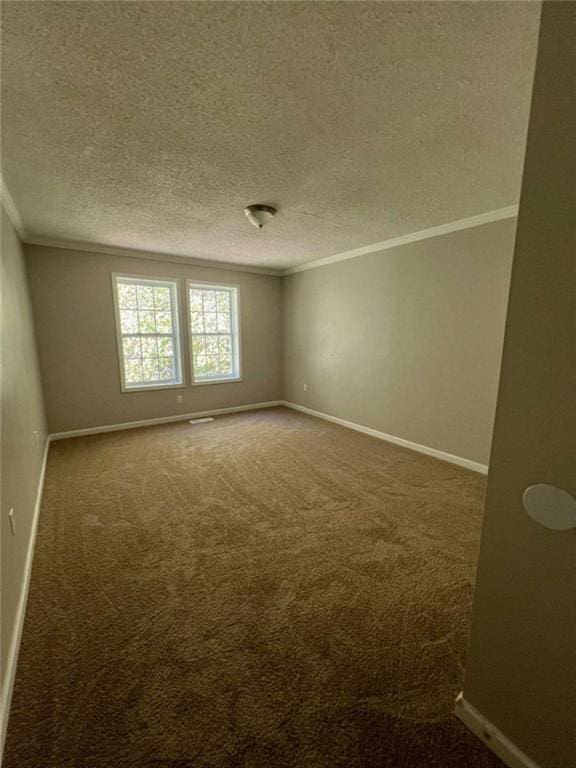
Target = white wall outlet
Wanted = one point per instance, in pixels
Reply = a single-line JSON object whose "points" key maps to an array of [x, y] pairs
{"points": [[305, 387], [179, 399], [35, 435], [12, 521]]}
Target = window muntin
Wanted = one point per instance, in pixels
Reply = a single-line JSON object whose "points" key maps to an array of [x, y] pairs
{"points": [[214, 335], [148, 332]]}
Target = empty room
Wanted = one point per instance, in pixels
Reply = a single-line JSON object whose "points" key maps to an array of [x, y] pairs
{"points": [[288, 376]]}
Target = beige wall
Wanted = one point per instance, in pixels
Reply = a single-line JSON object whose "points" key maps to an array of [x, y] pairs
{"points": [[406, 341], [22, 413], [521, 669], [72, 295]]}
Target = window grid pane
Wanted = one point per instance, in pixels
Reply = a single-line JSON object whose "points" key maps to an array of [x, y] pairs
{"points": [[148, 327], [213, 333]]}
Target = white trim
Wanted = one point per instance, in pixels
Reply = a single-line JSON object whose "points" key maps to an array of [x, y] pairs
{"points": [[425, 234], [10, 208], [208, 382], [161, 420], [489, 735], [132, 253], [14, 649], [437, 454]]}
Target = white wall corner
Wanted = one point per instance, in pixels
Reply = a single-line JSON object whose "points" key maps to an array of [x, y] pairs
{"points": [[10, 208], [11, 661], [489, 735]]}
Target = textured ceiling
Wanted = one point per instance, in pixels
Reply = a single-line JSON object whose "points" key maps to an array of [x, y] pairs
{"points": [[151, 125]]}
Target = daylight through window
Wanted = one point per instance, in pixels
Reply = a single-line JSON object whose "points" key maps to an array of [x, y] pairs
{"points": [[214, 332], [148, 333]]}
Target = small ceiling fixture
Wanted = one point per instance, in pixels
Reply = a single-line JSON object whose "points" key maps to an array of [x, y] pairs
{"points": [[259, 214]]}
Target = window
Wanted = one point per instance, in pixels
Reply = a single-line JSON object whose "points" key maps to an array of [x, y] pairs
{"points": [[148, 332], [214, 336]]}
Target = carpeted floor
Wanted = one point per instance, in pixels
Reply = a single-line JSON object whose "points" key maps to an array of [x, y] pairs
{"points": [[265, 590]]}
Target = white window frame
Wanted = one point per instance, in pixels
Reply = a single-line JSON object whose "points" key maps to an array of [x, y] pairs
{"points": [[174, 285], [236, 333]]}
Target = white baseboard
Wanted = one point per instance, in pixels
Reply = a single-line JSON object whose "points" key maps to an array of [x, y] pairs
{"points": [[467, 463], [14, 649], [161, 420], [489, 735]]}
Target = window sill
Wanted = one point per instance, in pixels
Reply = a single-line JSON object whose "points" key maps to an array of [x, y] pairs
{"points": [[216, 381], [152, 387]]}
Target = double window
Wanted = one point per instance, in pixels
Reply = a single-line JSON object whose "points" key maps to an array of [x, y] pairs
{"points": [[149, 338]]}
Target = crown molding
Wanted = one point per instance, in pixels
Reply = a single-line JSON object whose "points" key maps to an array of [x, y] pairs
{"points": [[112, 250], [424, 234], [10, 208]]}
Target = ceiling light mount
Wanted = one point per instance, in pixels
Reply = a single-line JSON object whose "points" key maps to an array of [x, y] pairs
{"points": [[259, 214]]}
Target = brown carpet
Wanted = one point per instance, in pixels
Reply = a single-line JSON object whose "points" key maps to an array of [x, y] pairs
{"points": [[266, 590]]}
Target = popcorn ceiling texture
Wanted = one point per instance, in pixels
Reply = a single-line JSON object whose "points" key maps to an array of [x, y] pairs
{"points": [[151, 125]]}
